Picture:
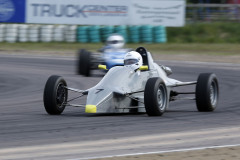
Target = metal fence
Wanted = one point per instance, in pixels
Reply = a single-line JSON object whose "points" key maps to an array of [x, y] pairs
{"points": [[212, 13]]}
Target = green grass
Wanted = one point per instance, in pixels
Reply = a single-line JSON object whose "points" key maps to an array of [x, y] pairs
{"points": [[221, 32], [168, 48]]}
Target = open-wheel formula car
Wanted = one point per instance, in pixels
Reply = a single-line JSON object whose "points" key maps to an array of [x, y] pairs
{"points": [[111, 55], [123, 89]]}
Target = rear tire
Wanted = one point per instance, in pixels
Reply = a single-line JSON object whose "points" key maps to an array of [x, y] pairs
{"points": [[155, 97], [207, 92], [55, 95], [84, 62]]}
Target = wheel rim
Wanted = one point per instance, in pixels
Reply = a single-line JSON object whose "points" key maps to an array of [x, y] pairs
{"points": [[61, 95], [161, 97], [213, 93]]}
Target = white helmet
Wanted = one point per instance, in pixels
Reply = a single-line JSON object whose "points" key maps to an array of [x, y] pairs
{"points": [[133, 59], [115, 41]]}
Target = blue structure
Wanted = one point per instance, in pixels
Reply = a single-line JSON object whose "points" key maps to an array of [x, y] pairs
{"points": [[114, 58], [12, 11]]}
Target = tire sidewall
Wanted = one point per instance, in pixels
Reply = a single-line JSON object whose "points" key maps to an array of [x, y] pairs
{"points": [[157, 86], [57, 84], [150, 97]]}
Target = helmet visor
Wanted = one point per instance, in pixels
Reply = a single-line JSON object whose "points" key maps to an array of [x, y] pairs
{"points": [[114, 42], [130, 61]]}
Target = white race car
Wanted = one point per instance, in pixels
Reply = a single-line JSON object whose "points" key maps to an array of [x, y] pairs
{"points": [[146, 88]]}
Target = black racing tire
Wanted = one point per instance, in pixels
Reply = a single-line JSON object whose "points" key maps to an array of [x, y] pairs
{"points": [[155, 97], [55, 95], [80, 52], [84, 62], [207, 92]]}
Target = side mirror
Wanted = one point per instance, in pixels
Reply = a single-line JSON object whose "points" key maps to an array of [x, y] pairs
{"points": [[104, 67], [168, 70], [143, 68]]}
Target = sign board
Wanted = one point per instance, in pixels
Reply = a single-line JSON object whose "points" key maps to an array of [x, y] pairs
{"points": [[94, 12], [158, 12]]}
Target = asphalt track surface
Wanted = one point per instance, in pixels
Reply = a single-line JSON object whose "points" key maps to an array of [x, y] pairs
{"points": [[28, 132]]}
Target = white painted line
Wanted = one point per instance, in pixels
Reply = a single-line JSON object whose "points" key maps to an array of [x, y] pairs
{"points": [[198, 62], [160, 152], [28, 56]]}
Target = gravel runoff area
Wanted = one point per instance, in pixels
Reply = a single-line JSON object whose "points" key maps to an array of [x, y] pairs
{"points": [[218, 153], [221, 153]]}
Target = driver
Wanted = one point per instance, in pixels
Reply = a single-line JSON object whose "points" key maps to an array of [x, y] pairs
{"points": [[115, 41], [133, 59]]}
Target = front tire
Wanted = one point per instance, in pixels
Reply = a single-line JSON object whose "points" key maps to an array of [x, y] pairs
{"points": [[155, 97], [84, 62], [207, 92], [55, 95]]}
